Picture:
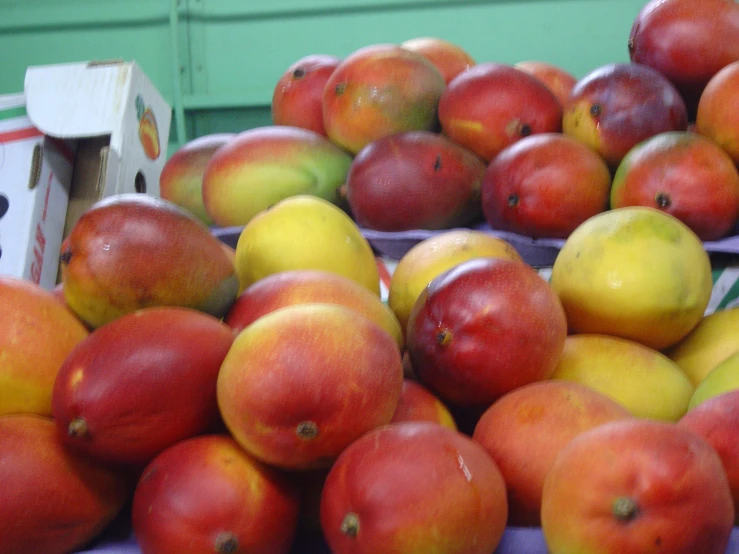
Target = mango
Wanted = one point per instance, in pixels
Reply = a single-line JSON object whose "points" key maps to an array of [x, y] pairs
{"points": [[303, 286], [493, 105], [414, 180], [544, 186], [556, 78], [644, 381], [37, 333], [206, 494], [449, 58], [305, 232], [414, 487], [525, 430], [417, 403], [262, 166], [51, 501], [722, 379], [718, 109], [712, 341], [636, 486], [484, 328], [302, 383], [685, 175], [181, 180], [717, 421], [636, 273], [297, 99], [140, 384], [432, 257], [133, 251], [380, 90], [686, 41], [618, 105]]}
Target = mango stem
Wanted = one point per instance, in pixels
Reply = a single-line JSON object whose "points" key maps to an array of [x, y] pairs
{"points": [[226, 543], [350, 525], [77, 428], [625, 508]]}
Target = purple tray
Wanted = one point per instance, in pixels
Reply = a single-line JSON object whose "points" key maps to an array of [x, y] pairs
{"points": [[516, 540], [536, 252]]}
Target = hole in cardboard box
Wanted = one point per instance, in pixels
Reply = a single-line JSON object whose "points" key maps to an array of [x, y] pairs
{"points": [[4, 205], [36, 163], [139, 182]]}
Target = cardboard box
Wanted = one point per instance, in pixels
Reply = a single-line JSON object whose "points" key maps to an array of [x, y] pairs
{"points": [[78, 133]]}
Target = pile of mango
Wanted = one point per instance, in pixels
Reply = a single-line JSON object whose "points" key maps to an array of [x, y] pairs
{"points": [[253, 398]]}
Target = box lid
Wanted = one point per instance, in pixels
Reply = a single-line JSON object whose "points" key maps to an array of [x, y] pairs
{"points": [[110, 99]]}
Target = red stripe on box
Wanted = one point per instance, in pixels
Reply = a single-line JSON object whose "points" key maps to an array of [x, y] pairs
{"points": [[20, 134], [384, 273]]}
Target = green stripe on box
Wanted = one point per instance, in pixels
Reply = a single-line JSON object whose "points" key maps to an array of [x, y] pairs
{"points": [[731, 295], [11, 113]]}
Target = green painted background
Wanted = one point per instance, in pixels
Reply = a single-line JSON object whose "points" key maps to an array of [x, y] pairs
{"points": [[217, 61]]}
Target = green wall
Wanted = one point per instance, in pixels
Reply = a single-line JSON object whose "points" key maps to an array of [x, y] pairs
{"points": [[217, 61]]}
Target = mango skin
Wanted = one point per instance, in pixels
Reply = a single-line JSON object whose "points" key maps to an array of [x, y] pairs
{"points": [[380, 90], [676, 479], [557, 79], [141, 383], [688, 42], [455, 488], [200, 492], [51, 501], [525, 430], [449, 58], [37, 333], [297, 99], [636, 273], [414, 180], [722, 379], [718, 110], [417, 403], [303, 382], [616, 106], [544, 186], [181, 180], [134, 251], [642, 380], [711, 341], [435, 255], [685, 175], [484, 328], [305, 286], [262, 166], [492, 105], [305, 232], [717, 421]]}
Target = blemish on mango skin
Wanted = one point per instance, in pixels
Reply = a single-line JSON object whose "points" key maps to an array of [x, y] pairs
{"points": [[76, 377], [444, 337], [467, 125]]}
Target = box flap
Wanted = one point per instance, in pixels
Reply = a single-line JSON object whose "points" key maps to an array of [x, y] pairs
{"points": [[79, 99]]}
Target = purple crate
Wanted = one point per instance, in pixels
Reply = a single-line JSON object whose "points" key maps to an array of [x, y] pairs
{"points": [[516, 540], [536, 252]]}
